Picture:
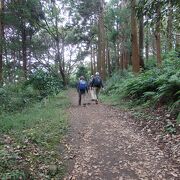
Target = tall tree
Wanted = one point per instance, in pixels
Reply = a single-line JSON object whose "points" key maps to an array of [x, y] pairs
{"points": [[1, 40], [158, 35], [101, 41], [135, 50], [170, 26], [141, 40]]}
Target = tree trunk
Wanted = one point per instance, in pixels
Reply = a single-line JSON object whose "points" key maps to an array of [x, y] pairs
{"points": [[177, 47], [154, 45], [1, 40], [24, 50], [99, 48], [135, 49], [147, 44], [101, 42], [60, 63], [158, 36], [108, 63], [121, 61], [59, 60], [63, 60], [170, 27], [126, 60], [141, 40], [92, 69]]}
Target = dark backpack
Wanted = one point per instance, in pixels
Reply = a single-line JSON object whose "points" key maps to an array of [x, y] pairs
{"points": [[82, 85], [97, 81]]}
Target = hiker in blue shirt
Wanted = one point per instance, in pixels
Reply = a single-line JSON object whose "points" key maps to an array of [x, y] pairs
{"points": [[82, 88], [97, 84]]}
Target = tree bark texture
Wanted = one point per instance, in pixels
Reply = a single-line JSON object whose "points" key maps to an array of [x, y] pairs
{"points": [[158, 36], [24, 49], [1, 40], [141, 40], [135, 49], [102, 39], [147, 44], [170, 27]]}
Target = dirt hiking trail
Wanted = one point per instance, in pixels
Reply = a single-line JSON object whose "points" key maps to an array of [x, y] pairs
{"points": [[104, 144]]}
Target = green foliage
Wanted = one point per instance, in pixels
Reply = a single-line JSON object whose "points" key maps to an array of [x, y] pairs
{"points": [[82, 71], [170, 128], [34, 135], [14, 175], [115, 84], [17, 96], [46, 83], [152, 87]]}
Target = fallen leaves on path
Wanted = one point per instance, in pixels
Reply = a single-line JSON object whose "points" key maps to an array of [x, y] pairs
{"points": [[107, 144]]}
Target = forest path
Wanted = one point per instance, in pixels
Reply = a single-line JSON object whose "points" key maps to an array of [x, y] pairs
{"points": [[104, 144]]}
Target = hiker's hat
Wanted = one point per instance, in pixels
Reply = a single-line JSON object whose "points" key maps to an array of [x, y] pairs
{"points": [[82, 77], [97, 74]]}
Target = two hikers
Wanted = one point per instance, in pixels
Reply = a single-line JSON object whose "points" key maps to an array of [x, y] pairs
{"points": [[95, 84]]}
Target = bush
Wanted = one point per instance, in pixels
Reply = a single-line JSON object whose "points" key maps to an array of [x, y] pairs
{"points": [[17, 96], [45, 83], [157, 86]]}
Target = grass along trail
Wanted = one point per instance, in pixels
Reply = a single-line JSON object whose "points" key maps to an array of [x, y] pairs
{"points": [[104, 144], [30, 140]]}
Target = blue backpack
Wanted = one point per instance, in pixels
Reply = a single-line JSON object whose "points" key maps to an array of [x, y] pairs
{"points": [[82, 85]]}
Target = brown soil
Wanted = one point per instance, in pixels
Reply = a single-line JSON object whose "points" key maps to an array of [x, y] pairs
{"points": [[104, 143]]}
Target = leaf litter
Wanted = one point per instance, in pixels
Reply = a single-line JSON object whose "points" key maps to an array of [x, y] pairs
{"points": [[109, 143]]}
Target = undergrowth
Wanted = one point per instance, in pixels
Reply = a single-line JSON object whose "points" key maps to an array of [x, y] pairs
{"points": [[30, 140], [152, 88], [16, 96]]}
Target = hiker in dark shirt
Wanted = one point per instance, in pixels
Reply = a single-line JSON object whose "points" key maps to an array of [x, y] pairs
{"points": [[97, 85], [82, 88]]}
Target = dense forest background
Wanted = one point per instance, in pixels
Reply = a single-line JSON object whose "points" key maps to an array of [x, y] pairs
{"points": [[45, 45]]}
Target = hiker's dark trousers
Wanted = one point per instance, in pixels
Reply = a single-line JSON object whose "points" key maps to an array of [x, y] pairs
{"points": [[81, 96]]}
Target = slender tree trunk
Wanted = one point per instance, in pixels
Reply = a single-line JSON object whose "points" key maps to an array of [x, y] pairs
{"points": [[99, 49], [60, 64], [147, 44], [126, 60], [92, 69], [121, 60], [117, 64], [135, 49], [57, 39], [141, 40], [169, 27], [158, 36], [154, 45], [102, 44], [14, 66], [24, 50], [1, 40], [63, 60], [108, 63], [94, 60], [177, 47], [103, 61]]}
